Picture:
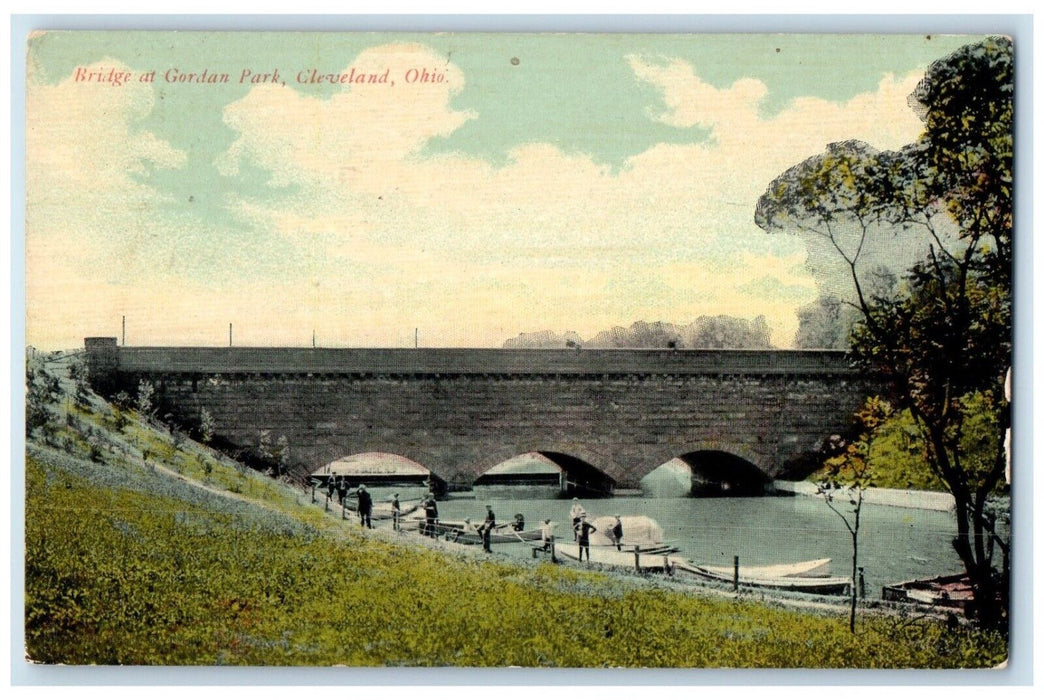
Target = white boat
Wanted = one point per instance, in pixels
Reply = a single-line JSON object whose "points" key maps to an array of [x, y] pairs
{"points": [[806, 569], [793, 580]]}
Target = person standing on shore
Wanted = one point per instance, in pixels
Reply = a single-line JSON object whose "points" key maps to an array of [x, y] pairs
{"points": [[575, 513], [616, 533], [365, 506], [583, 536], [487, 527], [396, 512], [431, 514], [546, 533]]}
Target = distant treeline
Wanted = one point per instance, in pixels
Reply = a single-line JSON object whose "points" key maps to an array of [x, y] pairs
{"points": [[705, 332]]}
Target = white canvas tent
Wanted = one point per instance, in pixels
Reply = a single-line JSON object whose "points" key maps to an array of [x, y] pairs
{"points": [[637, 530]]}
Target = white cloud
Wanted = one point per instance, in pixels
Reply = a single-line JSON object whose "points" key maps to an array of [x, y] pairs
{"points": [[472, 253], [339, 139], [84, 155], [554, 237]]}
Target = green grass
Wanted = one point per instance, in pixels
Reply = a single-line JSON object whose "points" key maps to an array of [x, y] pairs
{"points": [[127, 564]]}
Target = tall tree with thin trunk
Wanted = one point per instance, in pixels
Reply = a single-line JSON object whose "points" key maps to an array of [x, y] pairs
{"points": [[942, 337], [847, 474]]}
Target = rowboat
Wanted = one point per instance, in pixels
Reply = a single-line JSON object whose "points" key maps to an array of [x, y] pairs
{"points": [[813, 568], [952, 591], [383, 511], [751, 577], [663, 548], [605, 556], [469, 535]]}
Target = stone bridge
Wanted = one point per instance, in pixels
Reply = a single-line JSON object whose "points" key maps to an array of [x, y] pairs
{"points": [[460, 412]]}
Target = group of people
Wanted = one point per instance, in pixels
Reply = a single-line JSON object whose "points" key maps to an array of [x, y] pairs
{"points": [[582, 529], [364, 502]]}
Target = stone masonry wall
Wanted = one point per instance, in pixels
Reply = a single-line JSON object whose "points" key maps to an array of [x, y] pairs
{"points": [[460, 424]]}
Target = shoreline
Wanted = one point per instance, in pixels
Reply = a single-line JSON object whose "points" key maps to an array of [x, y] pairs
{"points": [[897, 498]]}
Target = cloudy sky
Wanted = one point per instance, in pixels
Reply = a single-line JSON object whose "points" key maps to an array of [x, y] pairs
{"points": [[569, 183]]}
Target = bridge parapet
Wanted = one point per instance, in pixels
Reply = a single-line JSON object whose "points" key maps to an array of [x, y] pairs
{"points": [[466, 361]]}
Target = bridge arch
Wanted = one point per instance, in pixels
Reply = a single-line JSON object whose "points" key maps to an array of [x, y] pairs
{"points": [[707, 471], [376, 469], [544, 474]]}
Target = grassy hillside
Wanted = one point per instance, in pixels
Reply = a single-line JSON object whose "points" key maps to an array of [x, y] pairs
{"points": [[130, 562]]}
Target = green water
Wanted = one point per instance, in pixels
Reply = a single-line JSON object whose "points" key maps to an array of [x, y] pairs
{"points": [[895, 544]]}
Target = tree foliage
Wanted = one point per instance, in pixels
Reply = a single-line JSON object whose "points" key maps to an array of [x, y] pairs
{"points": [[826, 323], [206, 425], [941, 338], [38, 400], [143, 402]]}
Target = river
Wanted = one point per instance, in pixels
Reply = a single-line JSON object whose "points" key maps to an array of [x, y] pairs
{"points": [[895, 544]]}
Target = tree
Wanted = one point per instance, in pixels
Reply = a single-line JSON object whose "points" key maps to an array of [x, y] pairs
{"points": [[847, 475], [38, 400], [206, 425], [941, 339], [282, 455], [143, 401], [826, 323]]}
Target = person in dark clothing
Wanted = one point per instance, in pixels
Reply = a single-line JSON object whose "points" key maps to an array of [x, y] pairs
{"points": [[396, 512], [342, 489], [583, 536], [520, 523], [487, 527], [617, 533], [365, 506], [331, 487], [574, 513], [431, 514]]}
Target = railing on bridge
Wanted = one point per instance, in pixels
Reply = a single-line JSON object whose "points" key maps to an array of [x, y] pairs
{"points": [[466, 361]]}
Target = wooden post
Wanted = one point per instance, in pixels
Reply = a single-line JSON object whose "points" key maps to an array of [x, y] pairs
{"points": [[344, 509], [313, 493], [327, 508], [735, 573], [862, 584], [553, 559], [636, 567]]}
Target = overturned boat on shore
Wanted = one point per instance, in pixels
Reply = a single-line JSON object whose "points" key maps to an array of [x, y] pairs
{"points": [[808, 576], [811, 576]]}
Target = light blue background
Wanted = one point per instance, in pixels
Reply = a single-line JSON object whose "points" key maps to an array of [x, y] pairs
{"points": [[1019, 669]]}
